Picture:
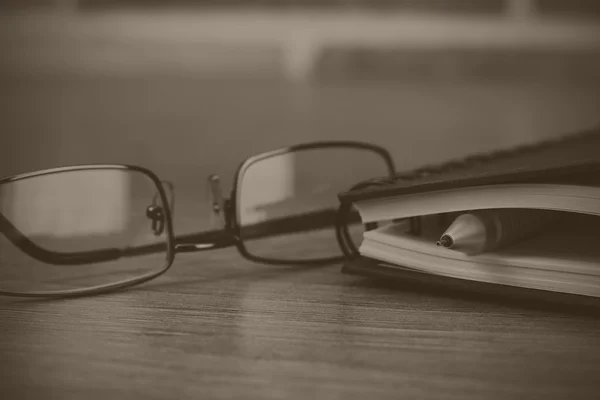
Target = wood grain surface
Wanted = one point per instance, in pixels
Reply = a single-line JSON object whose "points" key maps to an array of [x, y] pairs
{"points": [[217, 326]]}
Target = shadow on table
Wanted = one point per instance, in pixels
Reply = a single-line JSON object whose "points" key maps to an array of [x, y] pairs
{"points": [[480, 297], [264, 273], [485, 294]]}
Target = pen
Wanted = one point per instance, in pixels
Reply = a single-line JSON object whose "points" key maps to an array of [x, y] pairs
{"points": [[488, 230]]}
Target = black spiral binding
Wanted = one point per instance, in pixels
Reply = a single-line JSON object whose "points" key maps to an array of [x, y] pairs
{"points": [[343, 235], [483, 158]]}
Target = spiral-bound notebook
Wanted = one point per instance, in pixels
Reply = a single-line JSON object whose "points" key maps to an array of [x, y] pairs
{"points": [[407, 215]]}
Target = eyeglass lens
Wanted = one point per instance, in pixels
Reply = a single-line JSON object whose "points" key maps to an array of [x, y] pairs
{"points": [[300, 189]]}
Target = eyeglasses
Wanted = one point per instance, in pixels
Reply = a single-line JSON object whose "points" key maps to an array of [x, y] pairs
{"points": [[95, 228]]}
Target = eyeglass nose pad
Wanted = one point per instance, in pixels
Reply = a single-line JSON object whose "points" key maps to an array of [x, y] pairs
{"points": [[216, 202], [156, 214]]}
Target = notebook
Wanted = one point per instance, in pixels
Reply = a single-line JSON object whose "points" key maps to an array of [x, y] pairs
{"points": [[405, 217]]}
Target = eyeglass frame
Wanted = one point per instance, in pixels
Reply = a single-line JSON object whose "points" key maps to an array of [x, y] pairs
{"points": [[229, 236]]}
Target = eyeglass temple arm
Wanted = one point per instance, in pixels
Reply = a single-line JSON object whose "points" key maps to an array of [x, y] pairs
{"points": [[294, 224]]}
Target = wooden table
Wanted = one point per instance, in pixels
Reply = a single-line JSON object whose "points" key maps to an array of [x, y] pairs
{"points": [[217, 326]]}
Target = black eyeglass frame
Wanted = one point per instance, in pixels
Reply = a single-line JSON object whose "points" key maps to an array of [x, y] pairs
{"points": [[329, 216], [21, 241], [229, 236]]}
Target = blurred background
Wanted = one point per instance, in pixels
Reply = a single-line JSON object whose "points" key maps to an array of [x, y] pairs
{"points": [[192, 87]]}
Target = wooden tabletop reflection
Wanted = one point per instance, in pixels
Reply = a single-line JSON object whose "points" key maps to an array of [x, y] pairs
{"points": [[217, 326]]}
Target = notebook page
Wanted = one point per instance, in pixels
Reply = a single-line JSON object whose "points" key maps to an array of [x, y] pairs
{"points": [[570, 246]]}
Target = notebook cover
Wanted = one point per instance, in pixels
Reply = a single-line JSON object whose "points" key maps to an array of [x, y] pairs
{"points": [[569, 159], [402, 278]]}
